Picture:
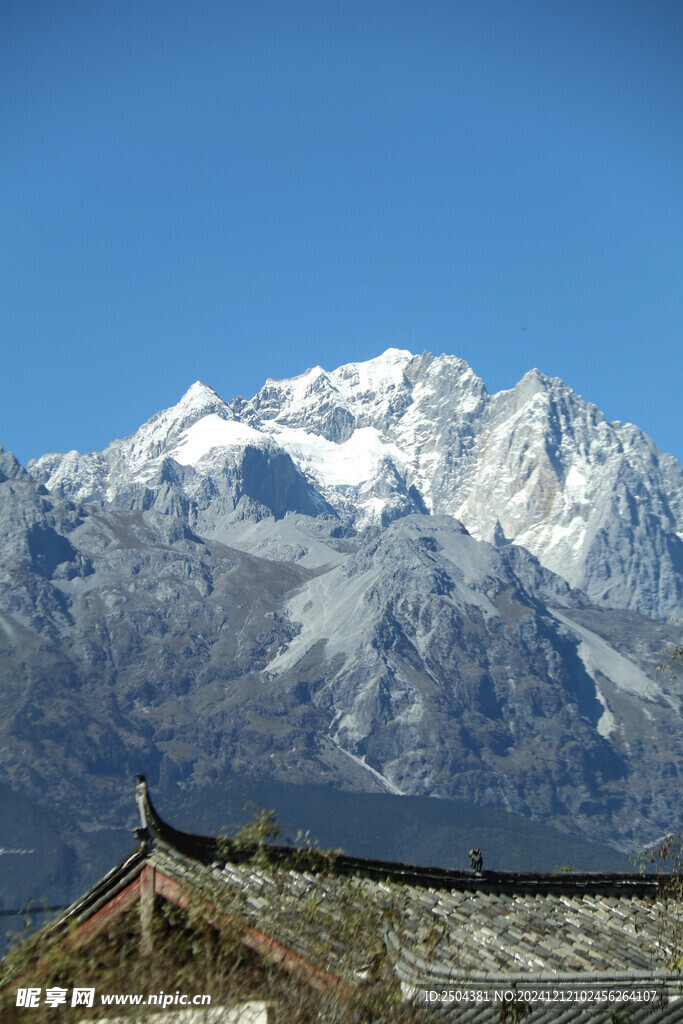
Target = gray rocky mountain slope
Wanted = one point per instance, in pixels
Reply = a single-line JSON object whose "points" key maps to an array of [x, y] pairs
{"points": [[382, 578], [411, 658], [537, 466], [451, 667]]}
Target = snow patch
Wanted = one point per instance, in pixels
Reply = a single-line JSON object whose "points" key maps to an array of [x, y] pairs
{"points": [[576, 480], [373, 375], [351, 464], [213, 432]]}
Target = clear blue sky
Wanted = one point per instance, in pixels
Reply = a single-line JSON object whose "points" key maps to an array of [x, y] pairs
{"points": [[234, 190]]}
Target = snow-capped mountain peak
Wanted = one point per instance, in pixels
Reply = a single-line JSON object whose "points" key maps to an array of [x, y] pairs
{"points": [[399, 618], [199, 395], [373, 376], [534, 465], [197, 402]]}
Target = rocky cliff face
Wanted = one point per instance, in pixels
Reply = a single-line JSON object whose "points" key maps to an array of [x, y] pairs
{"points": [[450, 667], [379, 577], [425, 663], [536, 466]]}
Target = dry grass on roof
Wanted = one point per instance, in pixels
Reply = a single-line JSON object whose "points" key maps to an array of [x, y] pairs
{"points": [[219, 943]]}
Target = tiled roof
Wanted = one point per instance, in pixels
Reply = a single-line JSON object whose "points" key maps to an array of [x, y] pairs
{"points": [[607, 1013], [445, 930]]}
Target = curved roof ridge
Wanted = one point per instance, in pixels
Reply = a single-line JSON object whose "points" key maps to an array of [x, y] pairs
{"points": [[211, 848]]}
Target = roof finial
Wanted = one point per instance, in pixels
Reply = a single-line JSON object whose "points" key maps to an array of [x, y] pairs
{"points": [[141, 801]]}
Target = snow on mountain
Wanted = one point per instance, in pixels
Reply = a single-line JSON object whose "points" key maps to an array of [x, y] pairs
{"points": [[97, 476], [361, 577], [184, 460], [535, 466], [596, 502], [348, 464], [211, 433], [333, 404]]}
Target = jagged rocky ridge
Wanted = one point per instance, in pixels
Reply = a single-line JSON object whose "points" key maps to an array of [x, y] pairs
{"points": [[285, 587], [536, 466]]}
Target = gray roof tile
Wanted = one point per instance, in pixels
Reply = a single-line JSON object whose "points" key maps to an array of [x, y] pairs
{"points": [[441, 927]]}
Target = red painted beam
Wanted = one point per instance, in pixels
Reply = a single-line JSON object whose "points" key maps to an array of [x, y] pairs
{"points": [[268, 947], [124, 899], [151, 880]]}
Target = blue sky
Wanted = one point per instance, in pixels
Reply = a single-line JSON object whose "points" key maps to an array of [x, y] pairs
{"points": [[227, 191]]}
